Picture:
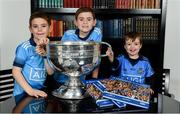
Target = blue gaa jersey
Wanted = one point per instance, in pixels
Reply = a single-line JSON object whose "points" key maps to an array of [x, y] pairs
{"points": [[32, 64], [134, 73], [73, 35]]}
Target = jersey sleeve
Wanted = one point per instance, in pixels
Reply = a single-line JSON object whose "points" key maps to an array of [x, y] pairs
{"points": [[117, 63], [149, 70], [99, 34], [99, 39], [68, 36], [64, 37], [20, 57]]}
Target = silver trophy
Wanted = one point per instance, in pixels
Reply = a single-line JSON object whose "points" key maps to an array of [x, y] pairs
{"points": [[74, 59]]}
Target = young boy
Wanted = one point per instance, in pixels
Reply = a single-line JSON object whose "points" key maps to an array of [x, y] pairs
{"points": [[29, 68], [85, 21], [131, 66]]}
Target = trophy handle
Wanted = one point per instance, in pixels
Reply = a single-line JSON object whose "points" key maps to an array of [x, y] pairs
{"points": [[104, 55], [52, 65]]}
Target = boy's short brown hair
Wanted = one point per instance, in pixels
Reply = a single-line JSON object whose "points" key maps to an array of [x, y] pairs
{"points": [[84, 9], [39, 15], [133, 36]]}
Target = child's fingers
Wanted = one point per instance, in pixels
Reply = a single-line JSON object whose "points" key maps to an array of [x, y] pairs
{"points": [[36, 96], [42, 94], [46, 41], [39, 93], [110, 52], [43, 41], [151, 91], [40, 50]]}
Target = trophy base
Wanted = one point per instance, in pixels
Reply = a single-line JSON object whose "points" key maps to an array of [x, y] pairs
{"points": [[66, 92]]}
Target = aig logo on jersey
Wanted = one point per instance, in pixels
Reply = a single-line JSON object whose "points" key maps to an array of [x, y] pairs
{"points": [[37, 74], [140, 71]]}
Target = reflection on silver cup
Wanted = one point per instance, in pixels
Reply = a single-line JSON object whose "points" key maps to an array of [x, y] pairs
{"points": [[74, 59]]}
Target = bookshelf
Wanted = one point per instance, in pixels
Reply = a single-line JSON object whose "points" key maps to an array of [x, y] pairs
{"points": [[104, 11], [145, 16]]}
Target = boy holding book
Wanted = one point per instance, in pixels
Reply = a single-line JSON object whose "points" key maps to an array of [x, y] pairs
{"points": [[131, 66]]}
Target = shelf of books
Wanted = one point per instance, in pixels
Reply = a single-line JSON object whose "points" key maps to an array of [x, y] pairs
{"points": [[113, 28], [114, 17], [129, 15], [117, 4], [100, 6]]}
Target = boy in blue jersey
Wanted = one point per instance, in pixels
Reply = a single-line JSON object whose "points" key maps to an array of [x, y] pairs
{"points": [[85, 21], [29, 68], [131, 66]]}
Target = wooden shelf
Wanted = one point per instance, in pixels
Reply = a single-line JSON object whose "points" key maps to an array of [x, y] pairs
{"points": [[104, 11]]}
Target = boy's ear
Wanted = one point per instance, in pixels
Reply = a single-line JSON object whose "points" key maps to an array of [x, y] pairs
{"points": [[141, 46], [50, 28], [124, 47], [95, 22], [30, 29], [75, 22]]}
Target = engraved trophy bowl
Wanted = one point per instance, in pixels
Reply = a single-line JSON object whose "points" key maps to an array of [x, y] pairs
{"points": [[74, 59]]}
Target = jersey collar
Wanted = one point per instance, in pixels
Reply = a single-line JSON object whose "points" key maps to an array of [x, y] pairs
{"points": [[139, 58], [133, 61], [32, 42], [84, 39]]}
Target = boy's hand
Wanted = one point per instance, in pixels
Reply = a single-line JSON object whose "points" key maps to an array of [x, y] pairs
{"points": [[41, 50], [43, 41], [151, 91], [110, 54], [41, 46], [37, 93]]}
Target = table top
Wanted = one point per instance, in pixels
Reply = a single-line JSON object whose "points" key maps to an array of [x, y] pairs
{"points": [[51, 104]]}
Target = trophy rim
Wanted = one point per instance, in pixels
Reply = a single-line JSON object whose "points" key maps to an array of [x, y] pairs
{"points": [[68, 43]]}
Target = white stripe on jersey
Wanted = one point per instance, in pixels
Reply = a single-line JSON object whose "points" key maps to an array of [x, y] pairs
{"points": [[131, 75], [97, 30], [26, 45]]}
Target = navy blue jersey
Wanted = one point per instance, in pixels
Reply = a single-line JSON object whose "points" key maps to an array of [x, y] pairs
{"points": [[134, 72], [32, 64]]}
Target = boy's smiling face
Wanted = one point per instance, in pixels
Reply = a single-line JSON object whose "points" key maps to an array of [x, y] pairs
{"points": [[39, 28], [133, 47], [85, 22]]}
